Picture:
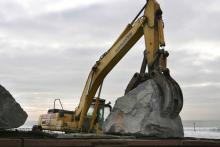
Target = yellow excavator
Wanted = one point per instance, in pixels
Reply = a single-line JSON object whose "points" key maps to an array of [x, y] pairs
{"points": [[89, 115]]}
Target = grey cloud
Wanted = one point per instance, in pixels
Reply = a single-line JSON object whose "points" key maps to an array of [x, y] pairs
{"points": [[187, 21], [185, 67], [99, 20]]}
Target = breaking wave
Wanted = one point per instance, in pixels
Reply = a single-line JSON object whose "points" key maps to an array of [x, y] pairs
{"points": [[202, 132], [212, 129]]}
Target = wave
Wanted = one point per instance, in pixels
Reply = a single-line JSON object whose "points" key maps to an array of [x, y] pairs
{"points": [[207, 129]]}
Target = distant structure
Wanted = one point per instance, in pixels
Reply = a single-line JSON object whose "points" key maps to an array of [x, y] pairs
{"points": [[194, 125]]}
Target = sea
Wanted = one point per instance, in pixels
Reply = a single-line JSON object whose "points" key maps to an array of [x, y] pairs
{"points": [[208, 129]]}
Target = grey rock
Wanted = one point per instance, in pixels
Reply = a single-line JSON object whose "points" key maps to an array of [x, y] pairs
{"points": [[138, 113], [11, 113]]}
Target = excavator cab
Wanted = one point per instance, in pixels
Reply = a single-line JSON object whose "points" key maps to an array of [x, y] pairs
{"points": [[102, 110]]}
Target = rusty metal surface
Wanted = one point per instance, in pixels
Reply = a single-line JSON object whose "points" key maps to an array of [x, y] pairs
{"points": [[7, 142], [10, 142]]}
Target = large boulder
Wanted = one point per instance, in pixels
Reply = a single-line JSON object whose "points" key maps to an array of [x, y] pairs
{"points": [[138, 113], [11, 113]]}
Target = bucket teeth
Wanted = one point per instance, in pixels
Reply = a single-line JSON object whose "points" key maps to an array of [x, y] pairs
{"points": [[172, 101]]}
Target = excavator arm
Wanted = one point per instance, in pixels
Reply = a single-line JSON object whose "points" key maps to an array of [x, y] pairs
{"points": [[104, 65], [151, 26]]}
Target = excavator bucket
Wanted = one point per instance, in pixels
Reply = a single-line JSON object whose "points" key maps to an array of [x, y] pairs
{"points": [[172, 97]]}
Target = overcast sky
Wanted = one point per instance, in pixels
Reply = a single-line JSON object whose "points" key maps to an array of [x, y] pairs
{"points": [[47, 48]]}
